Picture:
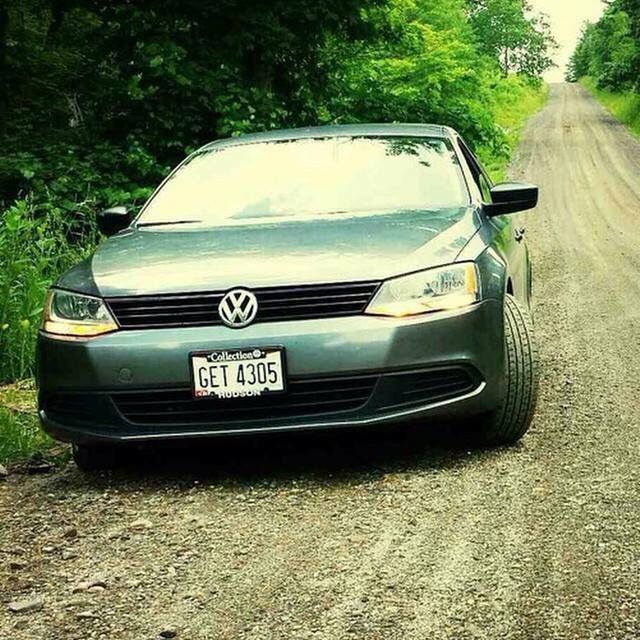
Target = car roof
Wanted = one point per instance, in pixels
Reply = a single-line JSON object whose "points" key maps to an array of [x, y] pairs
{"points": [[336, 131]]}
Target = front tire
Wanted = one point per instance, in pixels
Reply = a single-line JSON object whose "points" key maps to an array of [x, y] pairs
{"points": [[512, 419], [89, 457]]}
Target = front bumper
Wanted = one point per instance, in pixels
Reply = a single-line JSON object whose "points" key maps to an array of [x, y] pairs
{"points": [[87, 387]]}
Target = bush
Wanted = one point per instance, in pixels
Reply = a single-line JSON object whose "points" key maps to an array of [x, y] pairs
{"points": [[37, 243], [20, 433], [513, 100], [625, 106]]}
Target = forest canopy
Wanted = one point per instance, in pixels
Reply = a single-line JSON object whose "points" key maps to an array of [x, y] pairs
{"points": [[609, 50], [98, 100]]}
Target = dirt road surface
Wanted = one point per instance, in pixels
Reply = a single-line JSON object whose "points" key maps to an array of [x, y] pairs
{"points": [[394, 534]]}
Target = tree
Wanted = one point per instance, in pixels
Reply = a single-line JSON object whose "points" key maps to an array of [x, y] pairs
{"points": [[519, 39], [609, 50], [580, 62], [106, 96], [130, 87], [420, 65], [632, 8]]}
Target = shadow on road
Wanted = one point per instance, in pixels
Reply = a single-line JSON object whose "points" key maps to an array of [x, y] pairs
{"points": [[338, 456]]}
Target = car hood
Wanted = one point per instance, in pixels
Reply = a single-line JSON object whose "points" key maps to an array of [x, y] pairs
{"points": [[337, 248]]}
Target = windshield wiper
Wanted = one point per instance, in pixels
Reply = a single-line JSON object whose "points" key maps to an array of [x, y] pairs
{"points": [[168, 222]]}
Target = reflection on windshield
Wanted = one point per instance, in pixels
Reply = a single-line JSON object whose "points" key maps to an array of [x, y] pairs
{"points": [[310, 177]]}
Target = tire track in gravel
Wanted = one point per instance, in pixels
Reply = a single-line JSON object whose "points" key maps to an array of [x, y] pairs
{"points": [[393, 534]]}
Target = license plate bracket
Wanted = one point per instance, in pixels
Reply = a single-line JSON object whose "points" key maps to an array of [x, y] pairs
{"points": [[237, 373]]}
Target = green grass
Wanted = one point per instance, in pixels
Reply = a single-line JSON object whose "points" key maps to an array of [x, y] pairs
{"points": [[516, 100], [37, 243], [20, 433], [625, 107]]}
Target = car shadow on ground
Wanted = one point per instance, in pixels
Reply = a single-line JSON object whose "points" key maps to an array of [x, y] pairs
{"points": [[336, 456]]}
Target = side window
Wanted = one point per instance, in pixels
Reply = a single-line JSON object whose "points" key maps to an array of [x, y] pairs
{"points": [[476, 170], [485, 188]]}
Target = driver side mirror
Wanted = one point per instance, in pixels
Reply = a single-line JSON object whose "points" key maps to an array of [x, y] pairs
{"points": [[512, 197], [115, 219]]}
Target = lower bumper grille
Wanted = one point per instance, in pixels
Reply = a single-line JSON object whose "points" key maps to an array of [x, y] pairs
{"points": [[73, 408], [362, 395], [303, 398], [407, 390]]}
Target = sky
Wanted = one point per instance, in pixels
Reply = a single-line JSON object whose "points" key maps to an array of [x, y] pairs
{"points": [[567, 17]]}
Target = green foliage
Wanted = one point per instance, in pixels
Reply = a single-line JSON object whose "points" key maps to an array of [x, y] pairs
{"points": [[518, 38], [419, 66], [421, 63], [514, 100], [607, 61], [105, 97], [20, 434], [37, 243], [609, 51], [623, 106]]}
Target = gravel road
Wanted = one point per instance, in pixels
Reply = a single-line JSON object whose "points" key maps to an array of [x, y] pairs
{"points": [[394, 534]]}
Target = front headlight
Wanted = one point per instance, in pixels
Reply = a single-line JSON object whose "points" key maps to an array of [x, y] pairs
{"points": [[440, 289], [76, 315]]}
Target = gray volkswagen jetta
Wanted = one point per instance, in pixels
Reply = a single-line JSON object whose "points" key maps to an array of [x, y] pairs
{"points": [[304, 279]]}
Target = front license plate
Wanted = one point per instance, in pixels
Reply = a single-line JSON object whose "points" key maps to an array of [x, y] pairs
{"points": [[238, 373]]}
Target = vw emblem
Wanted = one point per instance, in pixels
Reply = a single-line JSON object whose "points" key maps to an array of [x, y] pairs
{"points": [[238, 308]]}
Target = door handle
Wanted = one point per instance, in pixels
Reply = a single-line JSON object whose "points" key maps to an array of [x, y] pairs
{"points": [[518, 234]]}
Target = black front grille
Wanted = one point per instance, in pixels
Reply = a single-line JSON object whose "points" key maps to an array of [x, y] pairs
{"points": [[306, 397], [405, 390], [77, 408], [274, 304]]}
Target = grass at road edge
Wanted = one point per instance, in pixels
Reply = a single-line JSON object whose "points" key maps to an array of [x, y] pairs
{"points": [[20, 433], [516, 100], [624, 107]]}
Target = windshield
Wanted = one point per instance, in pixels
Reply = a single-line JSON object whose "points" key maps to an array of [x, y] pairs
{"points": [[309, 177]]}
